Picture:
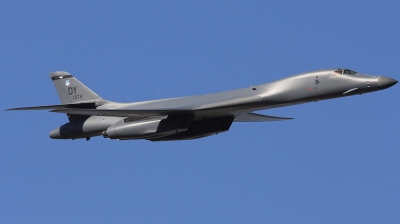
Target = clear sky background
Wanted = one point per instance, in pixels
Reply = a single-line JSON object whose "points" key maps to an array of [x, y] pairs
{"points": [[336, 162]]}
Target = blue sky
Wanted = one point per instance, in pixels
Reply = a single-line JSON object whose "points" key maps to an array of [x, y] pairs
{"points": [[336, 162]]}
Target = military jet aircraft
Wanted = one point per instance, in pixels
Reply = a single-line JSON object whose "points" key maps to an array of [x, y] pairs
{"points": [[199, 116]]}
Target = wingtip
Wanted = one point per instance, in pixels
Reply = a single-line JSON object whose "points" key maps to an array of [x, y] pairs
{"points": [[10, 109]]}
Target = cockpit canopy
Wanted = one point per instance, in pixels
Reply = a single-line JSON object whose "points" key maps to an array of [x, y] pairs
{"points": [[341, 71]]}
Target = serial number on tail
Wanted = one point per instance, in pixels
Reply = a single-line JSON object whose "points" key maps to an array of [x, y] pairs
{"points": [[75, 97]]}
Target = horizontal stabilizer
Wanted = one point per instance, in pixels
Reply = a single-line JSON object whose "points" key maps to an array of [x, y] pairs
{"points": [[253, 117], [57, 107], [122, 113]]}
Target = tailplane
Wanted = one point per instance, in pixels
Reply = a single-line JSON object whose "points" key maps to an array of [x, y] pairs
{"points": [[71, 90]]}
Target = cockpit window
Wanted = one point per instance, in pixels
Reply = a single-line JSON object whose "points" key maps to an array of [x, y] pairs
{"points": [[338, 72], [349, 72]]}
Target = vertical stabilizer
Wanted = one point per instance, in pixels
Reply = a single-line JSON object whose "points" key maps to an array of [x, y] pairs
{"points": [[70, 90]]}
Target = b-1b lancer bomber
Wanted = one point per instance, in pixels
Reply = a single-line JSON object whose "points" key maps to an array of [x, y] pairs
{"points": [[199, 116]]}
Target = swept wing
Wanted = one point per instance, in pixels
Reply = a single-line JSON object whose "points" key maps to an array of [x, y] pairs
{"points": [[57, 107]]}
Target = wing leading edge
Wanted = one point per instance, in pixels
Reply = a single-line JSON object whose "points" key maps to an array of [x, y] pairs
{"points": [[253, 117], [122, 113], [57, 107]]}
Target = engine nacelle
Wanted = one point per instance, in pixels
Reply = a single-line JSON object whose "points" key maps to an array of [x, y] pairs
{"points": [[146, 129], [83, 128]]}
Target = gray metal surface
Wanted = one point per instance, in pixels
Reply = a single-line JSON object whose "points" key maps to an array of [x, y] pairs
{"points": [[197, 116]]}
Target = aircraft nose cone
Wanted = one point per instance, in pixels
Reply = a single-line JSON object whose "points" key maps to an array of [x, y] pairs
{"points": [[386, 82], [55, 134]]}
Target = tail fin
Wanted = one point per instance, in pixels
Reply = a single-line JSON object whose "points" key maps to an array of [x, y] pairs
{"points": [[70, 90]]}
